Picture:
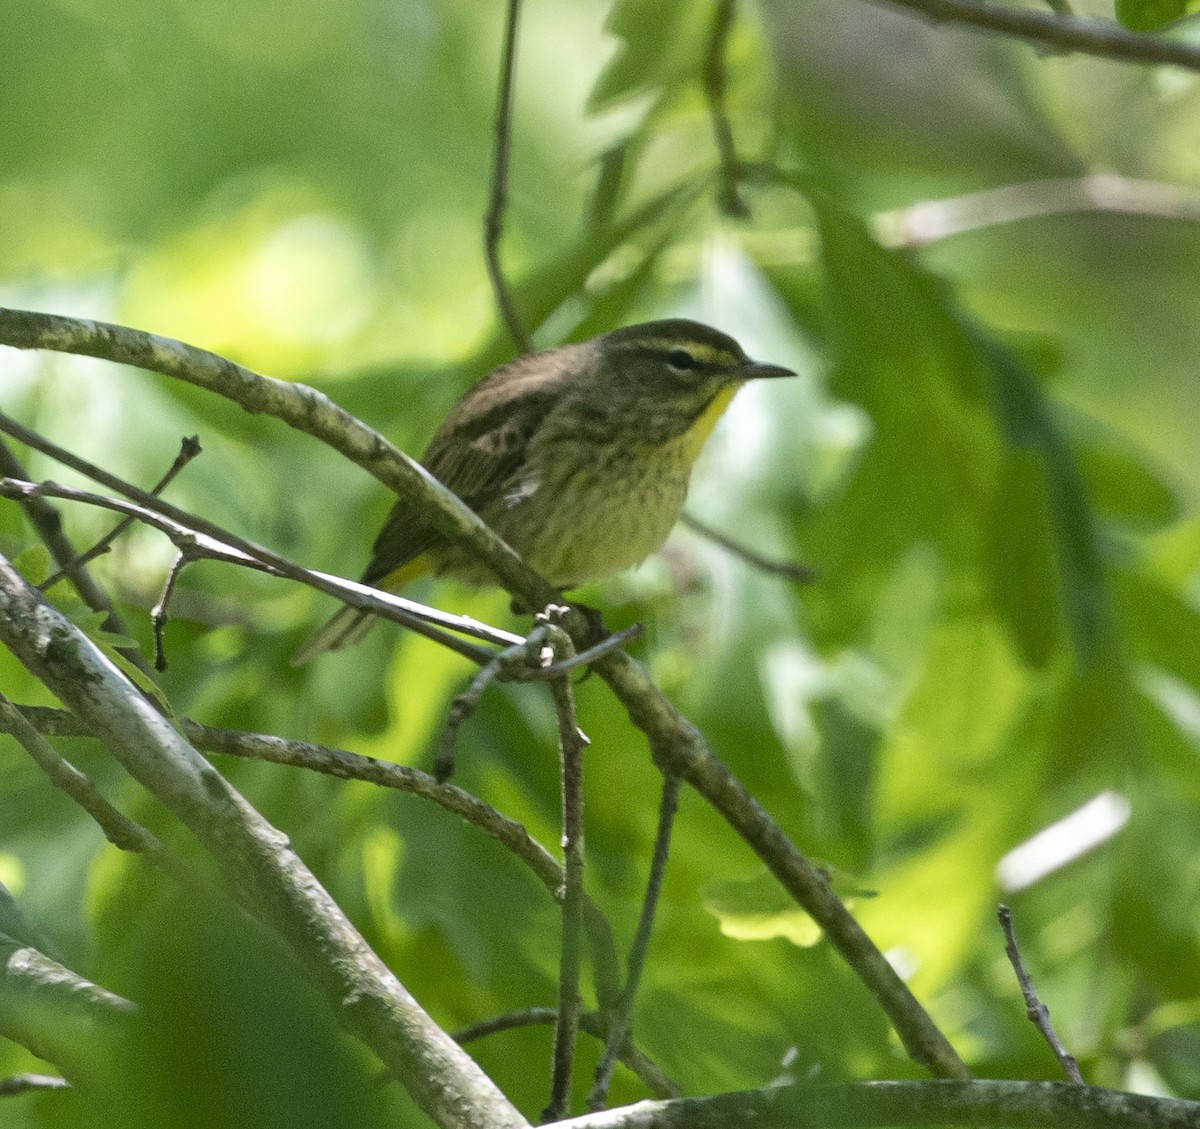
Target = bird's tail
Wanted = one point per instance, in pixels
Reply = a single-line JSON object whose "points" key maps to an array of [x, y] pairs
{"points": [[343, 629], [348, 626]]}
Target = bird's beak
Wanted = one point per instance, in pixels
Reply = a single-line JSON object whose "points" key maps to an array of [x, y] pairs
{"points": [[755, 370]]}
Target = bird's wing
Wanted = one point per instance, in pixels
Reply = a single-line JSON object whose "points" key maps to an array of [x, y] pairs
{"points": [[478, 453]]}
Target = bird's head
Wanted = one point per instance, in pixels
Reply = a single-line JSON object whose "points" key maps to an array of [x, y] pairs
{"points": [[678, 375]]}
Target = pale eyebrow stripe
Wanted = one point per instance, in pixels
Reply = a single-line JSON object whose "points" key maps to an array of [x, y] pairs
{"points": [[704, 353]]}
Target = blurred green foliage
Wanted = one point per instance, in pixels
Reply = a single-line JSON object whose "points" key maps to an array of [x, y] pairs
{"points": [[990, 458]]}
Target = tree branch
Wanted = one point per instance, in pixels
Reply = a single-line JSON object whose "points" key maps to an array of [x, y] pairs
{"points": [[622, 1019], [297, 405], [16, 1084], [591, 1022], [123, 832], [353, 766], [919, 1105], [789, 570], [927, 221], [680, 748], [200, 539], [493, 221], [268, 878], [48, 525], [1102, 38], [188, 450], [571, 743], [57, 1014], [729, 198], [1038, 1012]]}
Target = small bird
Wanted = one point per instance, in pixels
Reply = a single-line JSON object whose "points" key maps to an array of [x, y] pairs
{"points": [[579, 457]]}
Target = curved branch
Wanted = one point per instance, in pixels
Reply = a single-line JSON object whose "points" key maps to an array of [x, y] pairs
{"points": [[57, 1014], [45, 520], [676, 743], [354, 766], [873, 1105], [266, 875], [298, 406], [493, 220], [680, 749], [1102, 38], [200, 539], [591, 1022]]}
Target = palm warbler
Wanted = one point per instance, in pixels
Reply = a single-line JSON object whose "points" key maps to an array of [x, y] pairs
{"points": [[579, 457]]}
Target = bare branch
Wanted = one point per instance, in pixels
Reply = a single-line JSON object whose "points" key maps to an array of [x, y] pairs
{"points": [[57, 1014], [158, 613], [571, 742], [28, 1083], [352, 766], [789, 570], [592, 1023], [493, 221], [1038, 1012], [927, 221], [680, 748], [200, 539], [1065, 33], [622, 1021], [188, 450], [875, 1105], [118, 828], [729, 198], [465, 704], [269, 879], [45, 520], [556, 669], [297, 405]]}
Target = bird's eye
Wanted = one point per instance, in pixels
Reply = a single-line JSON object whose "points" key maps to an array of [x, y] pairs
{"points": [[681, 359]]}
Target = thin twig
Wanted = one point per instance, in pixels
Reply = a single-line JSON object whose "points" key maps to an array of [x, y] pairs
{"points": [[572, 742], [26, 1083], [493, 221], [465, 704], [188, 450], [405, 612], [790, 570], [1037, 1011], [519, 663], [622, 1022], [118, 828], [344, 765], [48, 525], [295, 404], [679, 747], [1102, 38], [927, 221], [583, 658], [220, 544], [591, 1023], [158, 613], [729, 198]]}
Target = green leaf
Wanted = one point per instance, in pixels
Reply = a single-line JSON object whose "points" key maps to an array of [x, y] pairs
{"points": [[1021, 558], [1147, 15], [758, 909], [1122, 482], [661, 47]]}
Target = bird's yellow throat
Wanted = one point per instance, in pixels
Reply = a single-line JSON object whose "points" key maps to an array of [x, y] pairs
{"points": [[707, 420]]}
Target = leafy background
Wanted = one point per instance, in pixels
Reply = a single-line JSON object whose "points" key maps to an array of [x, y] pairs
{"points": [[989, 457]]}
